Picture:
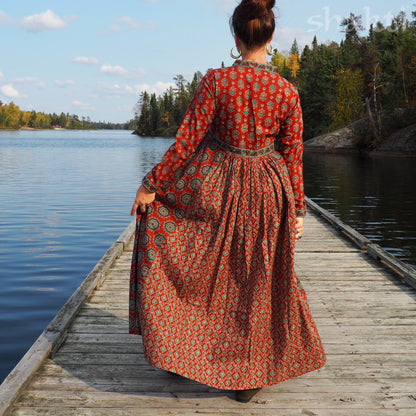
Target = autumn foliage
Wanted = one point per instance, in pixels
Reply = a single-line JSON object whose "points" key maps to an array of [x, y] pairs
{"points": [[363, 76], [13, 118]]}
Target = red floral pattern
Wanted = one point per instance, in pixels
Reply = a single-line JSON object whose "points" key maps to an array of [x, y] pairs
{"points": [[213, 289]]}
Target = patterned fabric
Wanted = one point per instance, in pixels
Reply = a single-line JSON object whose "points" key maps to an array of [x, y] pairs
{"points": [[213, 290]]}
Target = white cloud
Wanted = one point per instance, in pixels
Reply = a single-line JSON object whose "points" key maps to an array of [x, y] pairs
{"points": [[117, 89], [113, 70], [120, 71], [113, 28], [30, 80], [82, 105], [284, 37], [43, 21], [26, 80], [5, 19], [1, 75], [128, 21], [86, 60], [158, 88], [9, 91], [64, 83]]}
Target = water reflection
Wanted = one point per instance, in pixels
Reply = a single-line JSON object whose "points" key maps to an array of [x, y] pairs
{"points": [[376, 196]]}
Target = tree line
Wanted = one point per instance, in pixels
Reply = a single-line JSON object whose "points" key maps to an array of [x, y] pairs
{"points": [[362, 76], [162, 115], [11, 117]]}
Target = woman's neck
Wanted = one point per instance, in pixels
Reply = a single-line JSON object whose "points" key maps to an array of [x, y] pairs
{"points": [[258, 56]]}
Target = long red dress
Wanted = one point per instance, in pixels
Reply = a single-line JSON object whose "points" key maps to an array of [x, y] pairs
{"points": [[213, 290]]}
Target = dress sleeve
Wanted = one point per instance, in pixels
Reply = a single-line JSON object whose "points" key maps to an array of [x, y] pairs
{"points": [[291, 149], [193, 129]]}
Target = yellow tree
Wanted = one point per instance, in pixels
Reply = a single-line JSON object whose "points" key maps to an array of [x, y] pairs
{"points": [[281, 62], [294, 65], [9, 116], [24, 118], [348, 104]]}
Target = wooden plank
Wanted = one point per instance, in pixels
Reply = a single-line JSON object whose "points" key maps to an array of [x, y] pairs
{"points": [[407, 273], [332, 330], [356, 237], [115, 373], [204, 411], [167, 383], [63, 359], [364, 315], [267, 398]]}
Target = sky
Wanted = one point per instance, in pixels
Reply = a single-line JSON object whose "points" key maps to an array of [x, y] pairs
{"points": [[94, 58]]}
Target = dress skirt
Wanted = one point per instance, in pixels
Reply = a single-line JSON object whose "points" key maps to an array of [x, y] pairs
{"points": [[213, 290]]}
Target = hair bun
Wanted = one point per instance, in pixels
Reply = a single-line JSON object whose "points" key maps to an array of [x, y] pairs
{"points": [[253, 22], [258, 8]]}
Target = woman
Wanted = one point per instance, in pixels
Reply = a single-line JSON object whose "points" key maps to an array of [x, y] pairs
{"points": [[213, 290]]}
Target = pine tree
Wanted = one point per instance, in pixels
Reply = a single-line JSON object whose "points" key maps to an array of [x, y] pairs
{"points": [[155, 117], [316, 86], [143, 108], [294, 50]]}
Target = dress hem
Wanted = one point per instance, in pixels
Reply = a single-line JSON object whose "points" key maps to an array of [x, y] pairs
{"points": [[318, 365]]}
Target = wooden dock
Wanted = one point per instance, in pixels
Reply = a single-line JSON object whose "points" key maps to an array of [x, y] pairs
{"points": [[85, 363]]}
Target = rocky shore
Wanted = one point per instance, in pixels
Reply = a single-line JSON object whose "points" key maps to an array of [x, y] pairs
{"points": [[399, 138]]}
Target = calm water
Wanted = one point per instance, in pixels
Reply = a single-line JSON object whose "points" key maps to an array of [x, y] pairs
{"points": [[376, 196], [65, 197]]}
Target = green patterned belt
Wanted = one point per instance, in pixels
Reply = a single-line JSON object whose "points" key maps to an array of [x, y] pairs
{"points": [[244, 152]]}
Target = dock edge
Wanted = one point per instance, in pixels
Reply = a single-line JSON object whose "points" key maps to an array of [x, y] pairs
{"points": [[398, 267]]}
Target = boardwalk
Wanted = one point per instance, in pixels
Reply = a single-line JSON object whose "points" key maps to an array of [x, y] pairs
{"points": [[366, 317]]}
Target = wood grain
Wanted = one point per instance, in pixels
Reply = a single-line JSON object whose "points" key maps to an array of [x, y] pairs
{"points": [[365, 314]]}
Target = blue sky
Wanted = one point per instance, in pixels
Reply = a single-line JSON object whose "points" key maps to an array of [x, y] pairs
{"points": [[93, 58]]}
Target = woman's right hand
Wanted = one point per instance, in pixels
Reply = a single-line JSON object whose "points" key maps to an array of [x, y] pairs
{"points": [[143, 198], [299, 228]]}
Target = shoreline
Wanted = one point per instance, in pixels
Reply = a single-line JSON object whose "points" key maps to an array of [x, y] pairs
{"points": [[347, 152], [52, 129], [402, 143]]}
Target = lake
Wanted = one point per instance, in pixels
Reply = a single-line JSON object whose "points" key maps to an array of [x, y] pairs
{"points": [[65, 196], [374, 195]]}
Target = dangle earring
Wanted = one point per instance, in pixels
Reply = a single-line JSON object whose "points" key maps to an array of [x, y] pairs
{"points": [[232, 54], [269, 49]]}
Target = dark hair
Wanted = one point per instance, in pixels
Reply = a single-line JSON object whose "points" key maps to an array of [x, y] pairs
{"points": [[253, 22]]}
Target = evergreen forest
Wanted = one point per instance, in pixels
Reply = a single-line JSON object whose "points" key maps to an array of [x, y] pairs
{"points": [[363, 76]]}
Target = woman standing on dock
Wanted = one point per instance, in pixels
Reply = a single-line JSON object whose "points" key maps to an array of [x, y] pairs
{"points": [[213, 290]]}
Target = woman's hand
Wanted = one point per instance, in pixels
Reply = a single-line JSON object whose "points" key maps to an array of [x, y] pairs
{"points": [[143, 198], [298, 228]]}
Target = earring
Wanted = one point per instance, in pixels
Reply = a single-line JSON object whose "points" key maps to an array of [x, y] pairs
{"points": [[269, 49], [232, 54]]}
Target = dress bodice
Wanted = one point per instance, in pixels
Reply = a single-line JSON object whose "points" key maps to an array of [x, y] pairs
{"points": [[247, 106], [252, 105]]}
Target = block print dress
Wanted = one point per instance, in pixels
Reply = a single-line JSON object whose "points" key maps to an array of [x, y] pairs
{"points": [[213, 290]]}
